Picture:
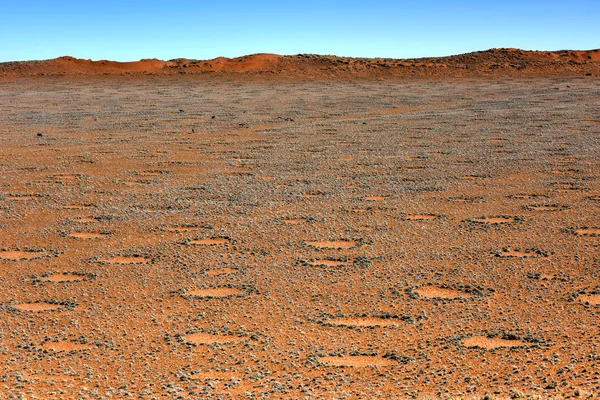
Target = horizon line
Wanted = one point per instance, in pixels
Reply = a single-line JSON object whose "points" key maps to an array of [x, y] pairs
{"points": [[298, 54]]}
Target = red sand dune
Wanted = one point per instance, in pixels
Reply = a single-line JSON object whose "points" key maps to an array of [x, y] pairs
{"points": [[493, 62]]}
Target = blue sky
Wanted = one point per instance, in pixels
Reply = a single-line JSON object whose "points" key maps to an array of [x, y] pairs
{"points": [[134, 29]]}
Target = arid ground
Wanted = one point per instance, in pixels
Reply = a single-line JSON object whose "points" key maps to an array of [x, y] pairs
{"points": [[195, 237]]}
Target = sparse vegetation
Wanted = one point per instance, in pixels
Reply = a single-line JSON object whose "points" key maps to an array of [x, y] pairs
{"points": [[311, 239]]}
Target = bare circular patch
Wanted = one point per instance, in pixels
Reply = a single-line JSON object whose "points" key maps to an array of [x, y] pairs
{"points": [[588, 231], [593, 299], [485, 342], [209, 338], [327, 263], [37, 307], [135, 183], [294, 221], [420, 217], [367, 322], [433, 292], [63, 277], [375, 198], [356, 361], [215, 292], [66, 176], [21, 255], [221, 271], [333, 244], [66, 345]]}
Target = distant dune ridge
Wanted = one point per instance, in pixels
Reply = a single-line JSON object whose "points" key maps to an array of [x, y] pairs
{"points": [[493, 62]]}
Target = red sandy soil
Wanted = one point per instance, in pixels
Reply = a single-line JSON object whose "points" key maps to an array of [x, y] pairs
{"points": [[494, 63], [197, 236]]}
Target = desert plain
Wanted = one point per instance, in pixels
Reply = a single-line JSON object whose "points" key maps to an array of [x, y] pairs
{"points": [[199, 236]]}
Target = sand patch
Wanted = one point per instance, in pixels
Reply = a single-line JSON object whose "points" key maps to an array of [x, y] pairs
{"points": [[485, 342], [66, 345], [209, 338], [63, 277], [38, 307], [593, 299], [327, 263], [87, 235], [433, 292], [367, 322], [588, 231], [215, 292], [542, 276], [220, 271], [127, 260], [590, 121], [135, 183], [209, 241], [241, 159], [420, 217], [375, 198], [22, 255], [333, 244], [66, 176], [294, 221], [494, 220], [356, 361]]}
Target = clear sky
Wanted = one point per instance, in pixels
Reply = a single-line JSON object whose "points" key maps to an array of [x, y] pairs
{"points": [[134, 29]]}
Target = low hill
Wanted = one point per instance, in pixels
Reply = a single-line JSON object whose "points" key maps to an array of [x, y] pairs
{"points": [[493, 62]]}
